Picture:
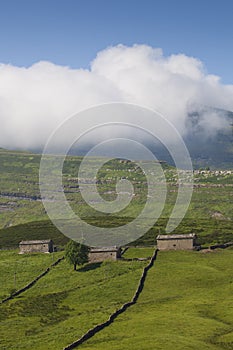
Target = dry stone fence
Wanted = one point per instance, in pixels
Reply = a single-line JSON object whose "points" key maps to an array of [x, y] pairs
{"points": [[31, 284], [113, 316]]}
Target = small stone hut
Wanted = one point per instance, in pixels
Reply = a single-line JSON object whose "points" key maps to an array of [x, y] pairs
{"points": [[104, 253], [37, 246], [177, 242]]}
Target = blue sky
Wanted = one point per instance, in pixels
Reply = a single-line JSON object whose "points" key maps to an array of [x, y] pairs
{"points": [[72, 32]]}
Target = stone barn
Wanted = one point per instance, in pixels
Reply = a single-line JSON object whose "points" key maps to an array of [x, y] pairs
{"points": [[104, 253], [42, 246], [177, 242]]}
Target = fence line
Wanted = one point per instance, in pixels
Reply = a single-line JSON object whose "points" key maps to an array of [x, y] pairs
{"points": [[91, 332], [31, 284]]}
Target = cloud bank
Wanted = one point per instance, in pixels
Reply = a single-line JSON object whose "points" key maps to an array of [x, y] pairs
{"points": [[35, 100]]}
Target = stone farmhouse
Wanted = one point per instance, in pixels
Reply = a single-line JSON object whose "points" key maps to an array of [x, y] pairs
{"points": [[42, 246], [104, 253], [177, 242]]}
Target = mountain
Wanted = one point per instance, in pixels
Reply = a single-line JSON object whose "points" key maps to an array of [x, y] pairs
{"points": [[210, 146], [214, 150], [208, 138]]}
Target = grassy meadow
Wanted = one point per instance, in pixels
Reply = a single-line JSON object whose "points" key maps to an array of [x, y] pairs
{"points": [[64, 304], [187, 299], [22, 215], [186, 303], [17, 270]]}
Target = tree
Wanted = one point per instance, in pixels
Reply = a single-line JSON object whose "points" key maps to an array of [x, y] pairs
{"points": [[76, 253]]}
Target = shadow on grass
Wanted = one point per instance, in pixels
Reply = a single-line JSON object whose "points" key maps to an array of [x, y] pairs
{"points": [[89, 267]]}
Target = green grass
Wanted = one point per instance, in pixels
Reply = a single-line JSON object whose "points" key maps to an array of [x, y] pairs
{"points": [[17, 270], [20, 204], [138, 253], [186, 304], [11, 236], [65, 304]]}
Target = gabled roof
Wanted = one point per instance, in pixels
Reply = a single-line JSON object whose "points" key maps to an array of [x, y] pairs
{"points": [[169, 237], [44, 241]]}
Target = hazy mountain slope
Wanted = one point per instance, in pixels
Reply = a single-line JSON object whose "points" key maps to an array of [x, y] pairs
{"points": [[208, 148], [215, 149]]}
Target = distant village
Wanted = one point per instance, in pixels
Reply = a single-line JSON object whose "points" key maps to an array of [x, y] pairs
{"points": [[213, 172]]}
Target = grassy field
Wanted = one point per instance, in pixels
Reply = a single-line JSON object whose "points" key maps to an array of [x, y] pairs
{"points": [[18, 270], [11, 236], [22, 215], [186, 303], [64, 304]]}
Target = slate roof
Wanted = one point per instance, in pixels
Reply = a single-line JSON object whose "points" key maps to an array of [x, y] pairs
{"points": [[44, 241], [104, 249], [169, 237]]}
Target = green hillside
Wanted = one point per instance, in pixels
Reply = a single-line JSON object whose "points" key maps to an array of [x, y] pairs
{"points": [[186, 302], [64, 304], [22, 215], [11, 236]]}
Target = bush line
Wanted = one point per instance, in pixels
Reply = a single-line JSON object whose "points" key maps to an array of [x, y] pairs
{"points": [[91, 332]]}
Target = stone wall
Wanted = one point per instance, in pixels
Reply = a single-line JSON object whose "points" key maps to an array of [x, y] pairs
{"points": [[102, 256], [175, 244], [115, 314], [36, 248], [104, 253], [31, 284]]}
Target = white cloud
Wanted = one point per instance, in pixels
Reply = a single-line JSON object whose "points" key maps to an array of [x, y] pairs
{"points": [[34, 100]]}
